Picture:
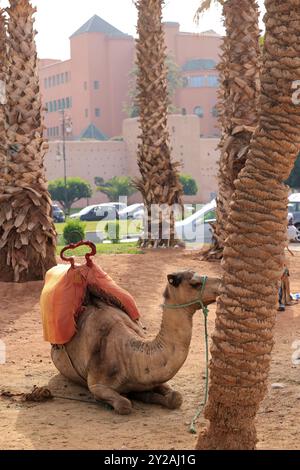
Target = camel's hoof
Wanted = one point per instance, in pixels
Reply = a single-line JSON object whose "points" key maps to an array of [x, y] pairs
{"points": [[174, 400], [123, 408]]}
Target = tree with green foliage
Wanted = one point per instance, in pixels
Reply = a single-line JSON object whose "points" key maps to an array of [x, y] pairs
{"points": [[294, 179], [175, 81], [77, 188], [115, 187], [190, 187]]}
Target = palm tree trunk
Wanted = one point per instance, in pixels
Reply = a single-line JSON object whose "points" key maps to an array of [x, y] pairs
{"points": [[27, 242], [3, 64], [159, 183], [254, 251], [238, 104]]}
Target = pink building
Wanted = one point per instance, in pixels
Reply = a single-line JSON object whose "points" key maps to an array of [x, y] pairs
{"points": [[92, 87], [198, 56]]}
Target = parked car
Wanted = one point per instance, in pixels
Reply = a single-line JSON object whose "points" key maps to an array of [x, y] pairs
{"points": [[58, 214], [118, 205], [135, 211], [196, 227], [96, 213], [294, 208], [84, 211]]}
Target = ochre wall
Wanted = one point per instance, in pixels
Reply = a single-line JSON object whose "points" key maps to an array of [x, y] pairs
{"points": [[89, 159]]}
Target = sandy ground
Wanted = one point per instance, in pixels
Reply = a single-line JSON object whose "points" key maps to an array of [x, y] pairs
{"points": [[63, 424]]}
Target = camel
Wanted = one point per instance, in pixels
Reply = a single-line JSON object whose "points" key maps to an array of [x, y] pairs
{"points": [[112, 358]]}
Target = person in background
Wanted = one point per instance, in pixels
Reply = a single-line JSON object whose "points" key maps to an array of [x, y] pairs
{"points": [[284, 290], [284, 287]]}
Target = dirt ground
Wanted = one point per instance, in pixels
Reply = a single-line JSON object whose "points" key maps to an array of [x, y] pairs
{"points": [[65, 424]]}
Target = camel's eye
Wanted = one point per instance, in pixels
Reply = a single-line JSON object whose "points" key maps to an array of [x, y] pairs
{"points": [[175, 280]]}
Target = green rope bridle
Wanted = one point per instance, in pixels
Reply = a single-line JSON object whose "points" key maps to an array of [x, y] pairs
{"points": [[205, 311]]}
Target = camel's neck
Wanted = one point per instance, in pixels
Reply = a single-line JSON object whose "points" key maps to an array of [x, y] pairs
{"points": [[159, 360]]}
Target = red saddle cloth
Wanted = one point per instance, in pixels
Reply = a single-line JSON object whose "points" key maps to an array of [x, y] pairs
{"points": [[64, 293]]}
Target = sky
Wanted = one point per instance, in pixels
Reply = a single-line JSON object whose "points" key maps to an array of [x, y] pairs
{"points": [[56, 20]]}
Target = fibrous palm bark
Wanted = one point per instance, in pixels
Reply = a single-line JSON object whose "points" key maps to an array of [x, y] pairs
{"points": [[238, 103], [27, 237], [3, 64], [159, 183], [254, 251]]}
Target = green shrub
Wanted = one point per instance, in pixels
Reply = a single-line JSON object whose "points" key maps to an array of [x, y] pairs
{"points": [[112, 230], [190, 187], [74, 231]]}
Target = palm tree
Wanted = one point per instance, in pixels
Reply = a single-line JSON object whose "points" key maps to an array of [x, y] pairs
{"points": [[27, 237], [238, 101], [159, 183], [254, 251], [3, 60]]}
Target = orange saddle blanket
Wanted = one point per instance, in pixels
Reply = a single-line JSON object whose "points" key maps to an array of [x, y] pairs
{"points": [[64, 293]]}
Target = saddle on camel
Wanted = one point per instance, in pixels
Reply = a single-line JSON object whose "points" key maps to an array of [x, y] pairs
{"points": [[67, 289]]}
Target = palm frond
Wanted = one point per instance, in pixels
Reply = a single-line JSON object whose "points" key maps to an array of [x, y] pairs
{"points": [[204, 6]]}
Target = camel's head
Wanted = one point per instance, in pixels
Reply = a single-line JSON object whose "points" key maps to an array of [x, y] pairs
{"points": [[186, 286]]}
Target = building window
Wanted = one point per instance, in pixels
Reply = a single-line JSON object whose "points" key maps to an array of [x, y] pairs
{"points": [[71, 101], [46, 107], [63, 103], [59, 104], [68, 102], [97, 112], [57, 131], [45, 83], [49, 82], [215, 112], [67, 77], [50, 107], [54, 80], [196, 82], [198, 110], [85, 86], [96, 85], [86, 113], [199, 64], [213, 81], [58, 79], [54, 106], [62, 78]]}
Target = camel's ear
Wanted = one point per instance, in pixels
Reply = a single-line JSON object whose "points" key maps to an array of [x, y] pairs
{"points": [[196, 281], [175, 279]]}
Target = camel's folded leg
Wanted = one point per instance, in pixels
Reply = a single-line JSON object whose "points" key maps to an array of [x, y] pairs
{"points": [[174, 398], [120, 404], [169, 398], [163, 389]]}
